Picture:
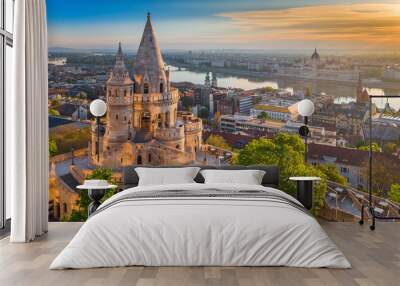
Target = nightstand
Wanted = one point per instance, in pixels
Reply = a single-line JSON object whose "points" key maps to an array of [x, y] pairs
{"points": [[305, 190], [96, 191]]}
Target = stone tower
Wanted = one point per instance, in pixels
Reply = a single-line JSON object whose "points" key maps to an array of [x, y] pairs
{"points": [[155, 104], [119, 103], [214, 82], [207, 81], [143, 125], [315, 62], [362, 93]]}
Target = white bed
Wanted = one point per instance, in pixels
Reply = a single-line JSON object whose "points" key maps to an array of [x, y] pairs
{"points": [[200, 231]]}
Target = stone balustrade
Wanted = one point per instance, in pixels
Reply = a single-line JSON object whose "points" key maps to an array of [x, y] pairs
{"points": [[174, 133], [157, 97], [119, 100]]}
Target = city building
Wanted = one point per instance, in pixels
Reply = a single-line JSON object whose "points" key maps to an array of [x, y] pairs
{"points": [[385, 129], [349, 162], [81, 113], [350, 118], [243, 104], [391, 73], [318, 134], [57, 61], [275, 111], [248, 124], [143, 125]]}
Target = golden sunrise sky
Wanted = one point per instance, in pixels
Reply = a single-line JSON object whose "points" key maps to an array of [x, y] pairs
{"points": [[366, 26], [253, 24]]}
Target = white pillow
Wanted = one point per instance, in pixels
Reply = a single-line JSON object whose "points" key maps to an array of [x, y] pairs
{"points": [[166, 176], [248, 177]]}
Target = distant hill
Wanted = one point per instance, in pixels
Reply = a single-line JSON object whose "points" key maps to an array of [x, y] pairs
{"points": [[72, 50]]}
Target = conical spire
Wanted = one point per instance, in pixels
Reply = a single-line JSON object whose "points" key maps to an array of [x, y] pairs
{"points": [[119, 59], [149, 61], [119, 73], [315, 55]]}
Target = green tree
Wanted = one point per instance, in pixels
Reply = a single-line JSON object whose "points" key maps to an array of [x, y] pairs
{"points": [[394, 193], [263, 115], [67, 137], [52, 147], [187, 102], [54, 112], [332, 173], [390, 148], [81, 214], [203, 112], [55, 103], [384, 174], [83, 95], [287, 152], [374, 145], [268, 89], [218, 141]]}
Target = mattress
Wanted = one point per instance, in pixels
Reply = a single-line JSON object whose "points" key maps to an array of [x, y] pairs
{"points": [[201, 225]]}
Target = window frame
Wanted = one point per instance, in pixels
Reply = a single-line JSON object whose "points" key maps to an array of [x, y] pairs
{"points": [[6, 40]]}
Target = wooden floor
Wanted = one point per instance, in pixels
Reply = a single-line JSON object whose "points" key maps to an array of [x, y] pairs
{"points": [[375, 257]]}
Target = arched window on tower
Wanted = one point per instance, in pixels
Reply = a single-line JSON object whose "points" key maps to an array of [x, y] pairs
{"points": [[149, 158], [161, 87], [139, 160], [116, 116], [124, 92], [134, 87], [146, 88]]}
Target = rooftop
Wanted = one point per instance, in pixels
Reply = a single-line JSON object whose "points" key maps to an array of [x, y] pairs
{"points": [[272, 108], [346, 156]]}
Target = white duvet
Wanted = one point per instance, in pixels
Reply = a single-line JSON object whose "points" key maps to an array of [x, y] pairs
{"points": [[200, 231]]}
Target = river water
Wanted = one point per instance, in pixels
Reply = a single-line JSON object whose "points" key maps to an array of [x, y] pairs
{"points": [[343, 92]]}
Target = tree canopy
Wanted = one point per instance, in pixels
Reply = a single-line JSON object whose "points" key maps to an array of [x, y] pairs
{"points": [[374, 146], [187, 102], [218, 141], [53, 149], [287, 152], [203, 112], [394, 193], [263, 115]]}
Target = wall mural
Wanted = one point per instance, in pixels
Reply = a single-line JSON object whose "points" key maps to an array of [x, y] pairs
{"points": [[215, 98]]}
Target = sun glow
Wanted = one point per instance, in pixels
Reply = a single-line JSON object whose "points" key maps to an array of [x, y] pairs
{"points": [[373, 25]]}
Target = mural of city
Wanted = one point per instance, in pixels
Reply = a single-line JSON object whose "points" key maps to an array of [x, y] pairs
{"points": [[222, 104]]}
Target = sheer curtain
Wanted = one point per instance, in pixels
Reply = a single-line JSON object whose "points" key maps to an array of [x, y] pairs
{"points": [[27, 124]]}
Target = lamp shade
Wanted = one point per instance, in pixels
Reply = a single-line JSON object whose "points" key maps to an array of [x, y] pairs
{"points": [[306, 107], [98, 108]]}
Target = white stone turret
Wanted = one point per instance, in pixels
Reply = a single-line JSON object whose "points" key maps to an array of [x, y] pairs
{"points": [[149, 67], [119, 102], [142, 114]]}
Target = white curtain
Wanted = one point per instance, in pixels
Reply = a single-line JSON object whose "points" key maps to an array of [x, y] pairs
{"points": [[27, 124]]}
